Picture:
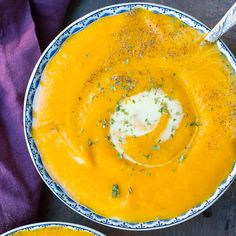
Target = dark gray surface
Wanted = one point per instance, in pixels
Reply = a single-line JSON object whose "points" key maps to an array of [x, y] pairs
{"points": [[220, 219]]}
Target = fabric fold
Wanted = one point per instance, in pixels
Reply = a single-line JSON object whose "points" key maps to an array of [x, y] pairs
{"points": [[20, 183]]}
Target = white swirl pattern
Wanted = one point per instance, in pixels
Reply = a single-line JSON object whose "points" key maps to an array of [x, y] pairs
{"points": [[140, 114]]}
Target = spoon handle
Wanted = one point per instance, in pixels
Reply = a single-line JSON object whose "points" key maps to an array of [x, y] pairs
{"points": [[228, 21]]}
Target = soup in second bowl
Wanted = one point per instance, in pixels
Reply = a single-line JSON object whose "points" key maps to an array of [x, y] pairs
{"points": [[53, 231]]}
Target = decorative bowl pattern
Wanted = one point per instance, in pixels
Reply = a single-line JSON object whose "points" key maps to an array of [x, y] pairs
{"points": [[50, 224], [75, 27]]}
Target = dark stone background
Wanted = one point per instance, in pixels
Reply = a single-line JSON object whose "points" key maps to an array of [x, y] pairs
{"points": [[220, 219]]}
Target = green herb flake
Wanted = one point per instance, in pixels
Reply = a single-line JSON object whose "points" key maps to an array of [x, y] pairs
{"points": [[147, 122], [130, 190], [115, 190], [126, 61], [112, 121], [102, 90], [148, 156], [118, 107], [104, 123], [182, 158], [195, 123], [168, 97], [120, 139], [164, 108], [126, 122], [184, 25], [124, 111], [156, 147], [156, 100], [90, 142], [81, 130], [120, 155], [107, 68], [112, 87]]}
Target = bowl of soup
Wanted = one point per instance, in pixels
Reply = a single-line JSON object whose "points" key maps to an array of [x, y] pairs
{"points": [[52, 228], [130, 119]]}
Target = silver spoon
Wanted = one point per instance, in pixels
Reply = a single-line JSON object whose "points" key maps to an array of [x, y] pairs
{"points": [[228, 21]]}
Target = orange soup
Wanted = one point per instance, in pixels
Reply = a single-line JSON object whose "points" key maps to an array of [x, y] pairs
{"points": [[53, 231], [135, 118]]}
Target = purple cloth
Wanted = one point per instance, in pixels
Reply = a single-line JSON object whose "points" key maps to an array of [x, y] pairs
{"points": [[20, 183]]}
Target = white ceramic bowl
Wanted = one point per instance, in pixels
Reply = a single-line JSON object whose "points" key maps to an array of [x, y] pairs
{"points": [[36, 226], [55, 45]]}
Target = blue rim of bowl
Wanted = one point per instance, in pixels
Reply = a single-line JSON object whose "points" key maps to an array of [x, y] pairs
{"points": [[52, 224], [50, 51]]}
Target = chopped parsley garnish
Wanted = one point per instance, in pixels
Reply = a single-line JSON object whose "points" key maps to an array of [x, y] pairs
{"points": [[102, 90], [115, 190], [112, 121], [120, 155], [148, 156], [168, 97], [147, 122], [108, 137], [156, 147], [126, 61], [182, 24], [124, 111], [118, 107], [195, 123], [126, 123], [156, 100], [90, 142], [164, 108], [107, 68], [125, 95], [130, 190], [104, 123], [182, 158], [120, 139], [112, 87]]}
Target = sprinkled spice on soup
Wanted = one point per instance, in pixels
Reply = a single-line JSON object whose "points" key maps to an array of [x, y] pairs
{"points": [[135, 119]]}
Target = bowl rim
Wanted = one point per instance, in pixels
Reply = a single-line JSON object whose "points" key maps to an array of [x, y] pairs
{"points": [[116, 223], [39, 225]]}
